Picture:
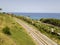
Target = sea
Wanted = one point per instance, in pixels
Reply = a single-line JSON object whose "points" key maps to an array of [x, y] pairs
{"points": [[40, 15]]}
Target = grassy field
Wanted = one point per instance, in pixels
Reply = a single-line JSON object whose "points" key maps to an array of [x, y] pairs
{"points": [[15, 35]]}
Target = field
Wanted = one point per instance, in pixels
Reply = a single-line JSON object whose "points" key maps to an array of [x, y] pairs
{"points": [[11, 33]]}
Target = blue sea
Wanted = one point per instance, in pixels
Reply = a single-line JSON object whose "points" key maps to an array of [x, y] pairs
{"points": [[40, 15]]}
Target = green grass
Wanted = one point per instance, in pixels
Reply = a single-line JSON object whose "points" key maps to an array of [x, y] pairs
{"points": [[18, 36]]}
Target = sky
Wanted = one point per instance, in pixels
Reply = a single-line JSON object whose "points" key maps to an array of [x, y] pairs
{"points": [[31, 6]]}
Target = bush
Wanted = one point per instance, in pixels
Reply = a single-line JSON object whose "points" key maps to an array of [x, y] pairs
{"points": [[6, 30], [55, 22]]}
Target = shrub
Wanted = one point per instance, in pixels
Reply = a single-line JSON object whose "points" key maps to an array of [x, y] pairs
{"points": [[52, 21], [6, 30]]}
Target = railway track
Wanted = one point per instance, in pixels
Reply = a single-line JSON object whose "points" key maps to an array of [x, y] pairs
{"points": [[38, 37]]}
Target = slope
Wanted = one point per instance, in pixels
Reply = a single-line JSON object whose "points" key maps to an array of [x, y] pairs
{"points": [[11, 33]]}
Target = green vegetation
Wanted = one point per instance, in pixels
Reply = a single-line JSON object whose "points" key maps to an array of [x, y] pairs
{"points": [[51, 31], [6, 30], [16, 35], [11, 33], [55, 22], [0, 8]]}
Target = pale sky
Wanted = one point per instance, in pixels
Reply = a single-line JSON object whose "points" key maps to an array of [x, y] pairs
{"points": [[32, 6]]}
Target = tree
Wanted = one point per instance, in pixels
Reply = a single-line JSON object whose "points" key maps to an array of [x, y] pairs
{"points": [[0, 8]]}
